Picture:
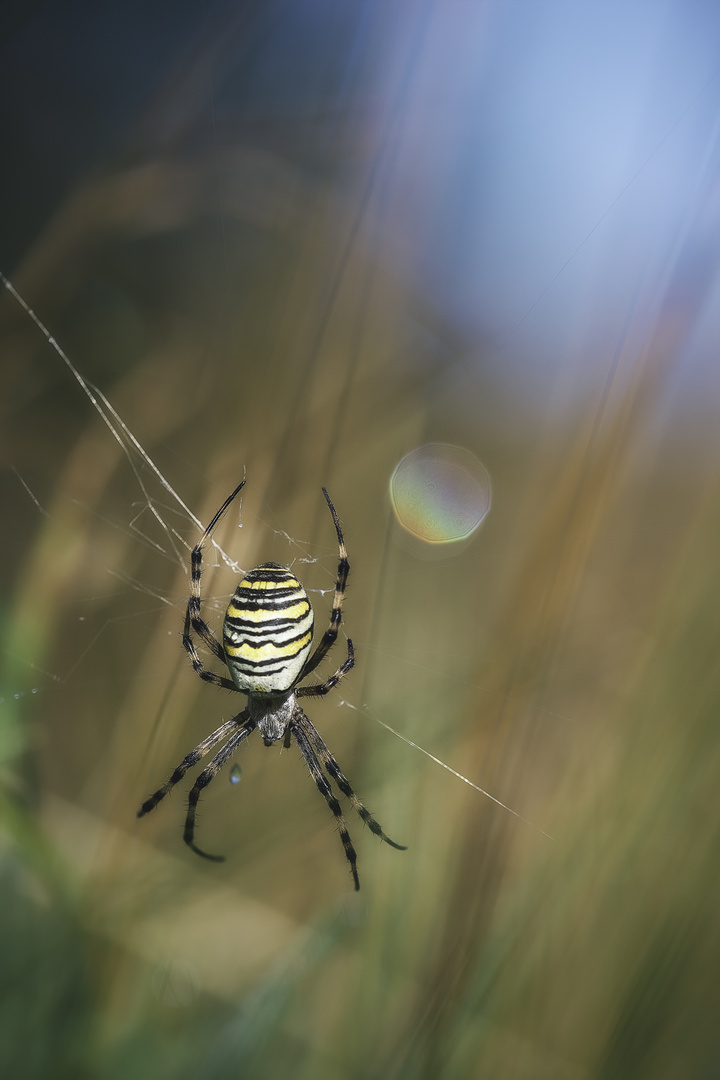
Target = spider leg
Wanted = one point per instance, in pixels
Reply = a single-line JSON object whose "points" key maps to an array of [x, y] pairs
{"points": [[191, 759], [330, 636], [200, 669], [297, 726], [208, 773], [192, 612], [202, 629], [333, 770], [324, 688]]}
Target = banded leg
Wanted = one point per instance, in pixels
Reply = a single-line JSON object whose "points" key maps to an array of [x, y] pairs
{"points": [[208, 774], [192, 612], [201, 628], [324, 688], [326, 791], [330, 636], [333, 769], [191, 759], [200, 669]]}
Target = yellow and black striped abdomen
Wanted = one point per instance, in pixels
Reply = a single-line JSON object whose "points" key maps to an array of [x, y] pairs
{"points": [[268, 629]]}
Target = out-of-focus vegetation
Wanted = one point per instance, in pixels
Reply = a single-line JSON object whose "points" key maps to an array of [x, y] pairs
{"points": [[299, 241]]}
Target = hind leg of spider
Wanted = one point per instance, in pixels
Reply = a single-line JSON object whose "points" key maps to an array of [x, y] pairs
{"points": [[191, 759], [325, 688], [208, 774], [333, 769], [326, 791]]}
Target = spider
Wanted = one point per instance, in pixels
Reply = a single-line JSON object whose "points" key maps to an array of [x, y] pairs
{"points": [[266, 647]]}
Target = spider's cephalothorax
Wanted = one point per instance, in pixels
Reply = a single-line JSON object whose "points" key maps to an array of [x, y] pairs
{"points": [[267, 638]]}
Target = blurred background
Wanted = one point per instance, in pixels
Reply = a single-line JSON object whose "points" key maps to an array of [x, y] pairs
{"points": [[298, 242]]}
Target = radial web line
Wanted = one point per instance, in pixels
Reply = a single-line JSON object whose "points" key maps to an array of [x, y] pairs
{"points": [[93, 396], [449, 768]]}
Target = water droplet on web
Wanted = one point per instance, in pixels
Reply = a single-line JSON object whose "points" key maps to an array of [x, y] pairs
{"points": [[235, 774]]}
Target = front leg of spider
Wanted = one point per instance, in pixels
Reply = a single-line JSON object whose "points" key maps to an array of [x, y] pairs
{"points": [[266, 649]]}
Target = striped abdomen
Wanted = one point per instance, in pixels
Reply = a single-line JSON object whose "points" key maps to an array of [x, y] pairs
{"points": [[268, 629]]}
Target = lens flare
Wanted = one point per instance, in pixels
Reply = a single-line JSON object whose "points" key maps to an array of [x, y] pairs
{"points": [[440, 493]]}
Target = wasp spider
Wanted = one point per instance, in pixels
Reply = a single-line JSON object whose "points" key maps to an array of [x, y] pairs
{"points": [[266, 647]]}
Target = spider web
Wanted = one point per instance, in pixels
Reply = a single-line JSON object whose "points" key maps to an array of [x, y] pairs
{"points": [[169, 513], [178, 547]]}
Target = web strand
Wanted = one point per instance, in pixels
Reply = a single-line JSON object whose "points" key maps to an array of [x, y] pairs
{"points": [[449, 768], [96, 397], [127, 441]]}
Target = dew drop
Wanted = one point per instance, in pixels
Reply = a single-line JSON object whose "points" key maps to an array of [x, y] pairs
{"points": [[235, 774]]}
